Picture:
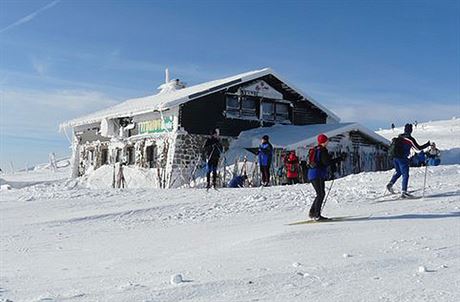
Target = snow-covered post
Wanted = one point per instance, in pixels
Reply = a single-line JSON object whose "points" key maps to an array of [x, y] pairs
{"points": [[75, 159], [12, 167], [168, 151]]}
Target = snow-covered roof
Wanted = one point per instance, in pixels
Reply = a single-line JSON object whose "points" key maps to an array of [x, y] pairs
{"points": [[291, 137], [175, 98]]}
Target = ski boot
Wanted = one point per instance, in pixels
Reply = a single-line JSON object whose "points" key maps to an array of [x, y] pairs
{"points": [[321, 218], [406, 195], [390, 188]]}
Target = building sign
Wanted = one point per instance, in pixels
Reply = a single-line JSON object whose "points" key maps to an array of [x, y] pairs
{"points": [[156, 126], [261, 89]]}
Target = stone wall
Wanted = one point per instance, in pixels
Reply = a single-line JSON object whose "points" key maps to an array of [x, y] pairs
{"points": [[189, 155]]}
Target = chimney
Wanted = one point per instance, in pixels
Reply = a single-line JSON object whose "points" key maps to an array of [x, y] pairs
{"points": [[166, 75]]}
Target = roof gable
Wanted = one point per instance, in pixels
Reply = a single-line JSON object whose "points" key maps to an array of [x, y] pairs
{"points": [[159, 102]]}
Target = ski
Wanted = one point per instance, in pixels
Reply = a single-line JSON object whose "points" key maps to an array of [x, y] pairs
{"points": [[390, 196], [331, 219], [396, 197]]}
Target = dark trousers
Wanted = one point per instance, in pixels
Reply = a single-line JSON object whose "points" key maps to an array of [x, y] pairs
{"points": [[320, 188], [293, 181], [211, 167], [265, 171]]}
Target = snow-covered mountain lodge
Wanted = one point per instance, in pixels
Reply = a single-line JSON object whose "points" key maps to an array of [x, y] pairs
{"points": [[165, 132]]}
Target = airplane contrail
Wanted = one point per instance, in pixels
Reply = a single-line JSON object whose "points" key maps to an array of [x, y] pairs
{"points": [[30, 16]]}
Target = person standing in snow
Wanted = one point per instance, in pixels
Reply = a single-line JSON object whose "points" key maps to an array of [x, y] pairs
{"points": [[319, 163], [212, 148], [265, 155], [401, 160], [393, 126], [292, 168], [238, 181], [52, 158], [433, 156]]}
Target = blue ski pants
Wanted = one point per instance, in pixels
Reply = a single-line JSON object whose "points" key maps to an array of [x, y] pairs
{"points": [[402, 168]]}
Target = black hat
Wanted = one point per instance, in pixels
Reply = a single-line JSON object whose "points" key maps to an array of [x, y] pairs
{"points": [[265, 137], [408, 128]]}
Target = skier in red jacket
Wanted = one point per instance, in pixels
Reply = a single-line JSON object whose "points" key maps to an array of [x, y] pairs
{"points": [[292, 168]]}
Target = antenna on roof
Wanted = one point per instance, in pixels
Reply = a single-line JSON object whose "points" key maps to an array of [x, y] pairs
{"points": [[166, 75], [169, 85]]}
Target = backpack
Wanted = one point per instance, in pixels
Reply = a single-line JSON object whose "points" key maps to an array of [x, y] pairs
{"points": [[280, 172], [311, 160], [395, 149]]}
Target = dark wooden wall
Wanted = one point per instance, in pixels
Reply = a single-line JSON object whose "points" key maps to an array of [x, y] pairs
{"points": [[304, 113], [205, 113], [202, 115]]}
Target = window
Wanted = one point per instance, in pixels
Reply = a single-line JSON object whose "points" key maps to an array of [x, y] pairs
{"points": [[233, 106], [104, 156], [91, 157], [282, 112], [232, 102], [133, 130], [248, 106], [151, 156], [131, 155], [117, 155], [268, 111]]}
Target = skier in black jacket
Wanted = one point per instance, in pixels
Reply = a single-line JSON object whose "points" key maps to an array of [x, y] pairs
{"points": [[212, 148]]}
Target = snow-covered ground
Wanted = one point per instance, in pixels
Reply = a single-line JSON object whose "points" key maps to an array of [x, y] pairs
{"points": [[61, 241]]}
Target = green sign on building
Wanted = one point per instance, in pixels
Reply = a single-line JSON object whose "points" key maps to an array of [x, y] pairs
{"points": [[156, 126]]}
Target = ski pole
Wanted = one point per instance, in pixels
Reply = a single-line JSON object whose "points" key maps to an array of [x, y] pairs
{"points": [[424, 181], [325, 199]]}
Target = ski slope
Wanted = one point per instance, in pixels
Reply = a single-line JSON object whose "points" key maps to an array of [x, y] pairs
{"points": [[60, 241], [446, 135]]}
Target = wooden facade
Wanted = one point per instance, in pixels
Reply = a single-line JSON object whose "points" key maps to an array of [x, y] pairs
{"points": [[212, 111]]}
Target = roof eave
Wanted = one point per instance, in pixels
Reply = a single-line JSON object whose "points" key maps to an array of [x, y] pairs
{"points": [[350, 127]]}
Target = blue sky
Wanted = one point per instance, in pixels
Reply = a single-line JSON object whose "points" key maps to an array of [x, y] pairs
{"points": [[373, 62]]}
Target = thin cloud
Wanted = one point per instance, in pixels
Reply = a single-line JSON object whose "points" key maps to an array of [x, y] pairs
{"points": [[40, 66], [64, 100], [30, 16]]}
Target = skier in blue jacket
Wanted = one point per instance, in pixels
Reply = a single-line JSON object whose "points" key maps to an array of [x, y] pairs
{"points": [[265, 155], [401, 160]]}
